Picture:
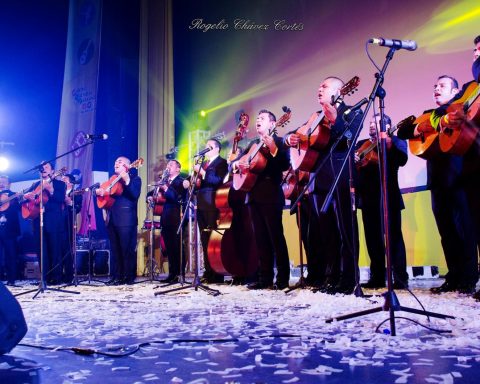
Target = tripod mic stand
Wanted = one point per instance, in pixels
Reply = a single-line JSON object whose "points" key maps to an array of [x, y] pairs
{"points": [[192, 207], [42, 287], [391, 303]]}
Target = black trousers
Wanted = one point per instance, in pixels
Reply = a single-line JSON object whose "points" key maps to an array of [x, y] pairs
{"points": [[123, 243], [8, 243], [173, 246], [207, 219], [453, 220], [374, 234], [338, 235], [270, 240]]}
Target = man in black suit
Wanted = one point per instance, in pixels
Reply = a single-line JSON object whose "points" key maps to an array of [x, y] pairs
{"points": [[211, 176], [174, 192], [9, 230], [449, 202], [337, 229], [122, 223], [53, 228], [370, 202], [265, 201]]}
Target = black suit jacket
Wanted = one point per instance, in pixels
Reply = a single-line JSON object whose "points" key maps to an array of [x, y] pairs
{"points": [[214, 175], [267, 188], [327, 174], [9, 225], [52, 218], [368, 181], [123, 212], [174, 198]]}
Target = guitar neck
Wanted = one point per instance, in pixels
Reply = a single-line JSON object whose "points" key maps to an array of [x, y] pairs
{"points": [[472, 98]]}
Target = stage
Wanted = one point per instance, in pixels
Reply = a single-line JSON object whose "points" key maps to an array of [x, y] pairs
{"points": [[239, 336]]}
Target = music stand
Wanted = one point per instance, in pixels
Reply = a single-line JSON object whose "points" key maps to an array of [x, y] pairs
{"points": [[391, 303], [192, 207], [42, 287]]}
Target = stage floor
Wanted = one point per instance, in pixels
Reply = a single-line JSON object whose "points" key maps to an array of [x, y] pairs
{"points": [[240, 336]]}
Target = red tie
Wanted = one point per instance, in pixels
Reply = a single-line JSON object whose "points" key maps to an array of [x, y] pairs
{"points": [[206, 164]]}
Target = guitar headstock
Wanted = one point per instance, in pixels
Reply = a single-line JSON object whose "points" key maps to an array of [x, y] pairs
{"points": [[137, 163], [285, 118], [350, 87], [242, 127], [61, 172]]}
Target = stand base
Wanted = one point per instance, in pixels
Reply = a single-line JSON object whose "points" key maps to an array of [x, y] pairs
{"points": [[42, 288], [194, 284], [392, 305], [301, 284]]}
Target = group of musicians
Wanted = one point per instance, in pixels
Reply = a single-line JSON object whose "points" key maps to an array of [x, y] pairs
{"points": [[329, 236]]}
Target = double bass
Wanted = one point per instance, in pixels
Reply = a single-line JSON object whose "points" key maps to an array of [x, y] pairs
{"points": [[227, 249], [113, 187], [314, 136], [257, 162]]}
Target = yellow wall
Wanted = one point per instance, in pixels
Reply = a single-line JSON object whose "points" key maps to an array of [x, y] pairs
{"points": [[419, 232]]}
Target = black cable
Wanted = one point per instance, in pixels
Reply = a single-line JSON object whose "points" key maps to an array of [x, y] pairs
{"points": [[441, 331]]}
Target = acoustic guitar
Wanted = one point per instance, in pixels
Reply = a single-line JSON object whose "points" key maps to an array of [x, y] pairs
{"points": [[426, 145], [113, 187], [457, 140], [257, 162], [314, 135], [31, 208]]}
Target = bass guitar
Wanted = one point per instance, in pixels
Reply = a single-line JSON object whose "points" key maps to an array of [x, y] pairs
{"points": [[314, 136], [458, 140], [31, 206], [113, 187], [257, 162]]}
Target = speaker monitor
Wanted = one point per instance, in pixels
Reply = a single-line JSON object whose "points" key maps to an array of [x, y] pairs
{"points": [[12, 323]]}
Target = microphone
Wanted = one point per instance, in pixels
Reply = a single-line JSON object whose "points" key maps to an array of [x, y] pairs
{"points": [[409, 45], [91, 136], [355, 107], [203, 151]]}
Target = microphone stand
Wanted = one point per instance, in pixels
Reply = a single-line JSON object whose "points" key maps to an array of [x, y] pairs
{"points": [[391, 303], [89, 279], [192, 206], [42, 286], [301, 281]]}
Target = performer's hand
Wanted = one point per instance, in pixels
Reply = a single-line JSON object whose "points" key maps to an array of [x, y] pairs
{"points": [[270, 143], [68, 201], [293, 140], [100, 192], [356, 158], [330, 112], [125, 177], [196, 167], [29, 196], [453, 119], [186, 184], [243, 166], [388, 141]]}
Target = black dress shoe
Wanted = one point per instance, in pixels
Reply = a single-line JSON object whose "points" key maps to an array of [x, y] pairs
{"points": [[476, 295], [279, 285], [344, 288], [445, 287], [259, 285], [373, 284], [468, 289], [399, 285], [169, 279]]}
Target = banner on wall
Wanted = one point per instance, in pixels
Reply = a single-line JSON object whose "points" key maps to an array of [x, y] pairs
{"points": [[79, 97]]}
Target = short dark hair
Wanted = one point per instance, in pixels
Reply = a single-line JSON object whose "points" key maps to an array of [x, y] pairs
{"points": [[270, 114], [217, 143], [176, 162], [386, 119], [476, 40], [52, 164], [454, 81]]}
